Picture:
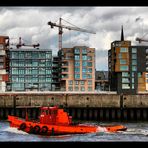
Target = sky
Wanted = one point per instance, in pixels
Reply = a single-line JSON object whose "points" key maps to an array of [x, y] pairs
{"points": [[30, 23]]}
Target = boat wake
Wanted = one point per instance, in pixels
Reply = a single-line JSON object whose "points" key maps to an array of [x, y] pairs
{"points": [[134, 131], [14, 130]]}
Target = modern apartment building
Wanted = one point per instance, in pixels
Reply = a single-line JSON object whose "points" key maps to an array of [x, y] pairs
{"points": [[128, 67], [30, 69], [77, 69], [4, 64]]}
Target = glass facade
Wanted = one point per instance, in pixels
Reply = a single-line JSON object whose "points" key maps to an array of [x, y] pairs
{"points": [[30, 69]]}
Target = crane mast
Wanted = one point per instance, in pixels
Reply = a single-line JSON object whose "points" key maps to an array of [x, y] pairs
{"points": [[60, 26]]}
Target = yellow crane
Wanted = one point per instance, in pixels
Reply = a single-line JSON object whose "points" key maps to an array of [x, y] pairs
{"points": [[60, 26]]}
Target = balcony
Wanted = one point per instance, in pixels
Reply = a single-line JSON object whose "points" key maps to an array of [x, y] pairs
{"points": [[64, 76]]}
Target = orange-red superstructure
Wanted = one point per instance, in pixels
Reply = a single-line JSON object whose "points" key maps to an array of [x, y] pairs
{"points": [[53, 121]]}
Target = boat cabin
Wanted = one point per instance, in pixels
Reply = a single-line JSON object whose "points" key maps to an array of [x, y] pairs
{"points": [[55, 116]]}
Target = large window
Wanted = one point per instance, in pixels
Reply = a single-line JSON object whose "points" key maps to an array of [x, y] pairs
{"points": [[77, 70], [89, 58], [89, 64], [134, 50], [77, 57], [84, 76], [125, 86], [125, 74], [122, 61], [124, 67], [89, 82], [134, 56], [77, 76], [70, 82], [77, 50], [84, 50], [77, 63], [123, 49], [134, 62], [84, 57], [84, 63], [134, 68], [125, 80], [89, 70]]}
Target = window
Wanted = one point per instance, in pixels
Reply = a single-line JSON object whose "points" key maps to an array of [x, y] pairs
{"points": [[84, 70], [134, 68], [77, 57], [132, 74], [134, 50], [14, 54], [125, 86], [89, 70], [125, 74], [134, 62], [77, 70], [122, 61], [84, 57], [84, 50], [77, 50], [82, 82], [125, 80], [77, 76], [132, 86], [123, 49], [48, 55], [124, 67], [89, 58], [89, 64], [76, 88], [89, 76], [120, 56], [133, 80], [48, 79], [84, 76], [21, 55], [70, 82], [70, 88], [82, 88], [48, 71], [89, 88], [134, 56], [139, 74], [84, 63], [77, 63], [21, 63], [76, 82], [89, 82], [34, 63]]}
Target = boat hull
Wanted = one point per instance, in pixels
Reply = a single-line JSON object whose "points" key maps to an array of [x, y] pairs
{"points": [[46, 129]]}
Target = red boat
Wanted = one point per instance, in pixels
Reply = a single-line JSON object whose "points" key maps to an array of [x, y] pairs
{"points": [[55, 121]]}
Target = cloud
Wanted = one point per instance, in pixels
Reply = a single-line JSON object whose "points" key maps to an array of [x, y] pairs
{"points": [[31, 24]]}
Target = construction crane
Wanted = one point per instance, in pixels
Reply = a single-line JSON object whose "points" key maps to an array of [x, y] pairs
{"points": [[141, 40], [20, 44], [60, 26]]}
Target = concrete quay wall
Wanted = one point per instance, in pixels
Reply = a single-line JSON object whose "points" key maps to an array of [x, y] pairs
{"points": [[72, 100]]}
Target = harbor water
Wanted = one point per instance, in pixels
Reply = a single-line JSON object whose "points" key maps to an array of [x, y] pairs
{"points": [[136, 131]]}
